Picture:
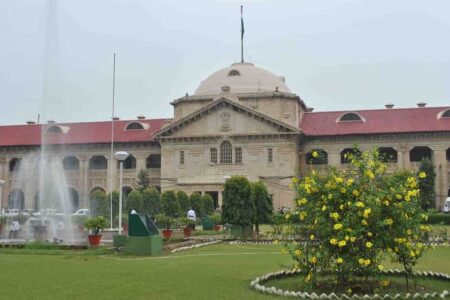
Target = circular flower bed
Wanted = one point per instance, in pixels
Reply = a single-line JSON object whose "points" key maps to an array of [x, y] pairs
{"points": [[258, 284]]}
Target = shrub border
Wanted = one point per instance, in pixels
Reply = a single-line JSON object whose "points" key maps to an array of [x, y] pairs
{"points": [[256, 285]]}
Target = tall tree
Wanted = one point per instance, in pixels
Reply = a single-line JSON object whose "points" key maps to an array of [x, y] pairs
{"points": [[183, 199], [238, 207], [263, 204], [170, 204], [196, 203], [99, 205], [135, 202], [427, 178], [152, 201], [143, 180]]}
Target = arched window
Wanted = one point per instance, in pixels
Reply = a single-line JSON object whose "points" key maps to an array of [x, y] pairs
{"points": [[347, 154], [98, 162], [350, 117], [317, 157], [388, 154], [448, 154], [71, 163], [226, 153], [126, 190], [154, 161], [129, 163], [54, 129], [234, 73], [420, 152], [74, 199], [134, 126], [446, 114], [16, 199], [14, 164], [97, 188]]}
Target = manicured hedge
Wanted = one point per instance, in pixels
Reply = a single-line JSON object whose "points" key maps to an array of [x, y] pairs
{"points": [[438, 219]]}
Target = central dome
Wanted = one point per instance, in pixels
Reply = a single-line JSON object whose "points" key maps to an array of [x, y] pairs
{"points": [[242, 78]]}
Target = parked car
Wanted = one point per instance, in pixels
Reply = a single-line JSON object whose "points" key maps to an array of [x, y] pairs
{"points": [[81, 212], [47, 212], [11, 212]]}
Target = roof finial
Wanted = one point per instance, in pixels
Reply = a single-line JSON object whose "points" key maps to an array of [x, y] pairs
{"points": [[242, 36]]}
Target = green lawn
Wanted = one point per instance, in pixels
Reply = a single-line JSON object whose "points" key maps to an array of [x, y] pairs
{"points": [[215, 272]]}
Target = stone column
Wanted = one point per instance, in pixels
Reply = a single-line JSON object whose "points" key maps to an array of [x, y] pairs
{"points": [[112, 165], [3, 174], [141, 163], [441, 183], [403, 157], [334, 158], [83, 181]]}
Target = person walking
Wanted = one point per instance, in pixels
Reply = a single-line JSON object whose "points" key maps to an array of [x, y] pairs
{"points": [[14, 232], [192, 216]]}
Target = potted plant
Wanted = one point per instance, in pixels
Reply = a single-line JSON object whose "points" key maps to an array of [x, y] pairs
{"points": [[188, 226], [166, 222], [216, 219], [95, 225]]}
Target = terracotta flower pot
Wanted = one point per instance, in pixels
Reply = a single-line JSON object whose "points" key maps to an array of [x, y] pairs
{"points": [[167, 233], [216, 227], [94, 239], [187, 231]]}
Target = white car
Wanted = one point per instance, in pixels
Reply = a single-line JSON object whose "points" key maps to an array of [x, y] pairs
{"points": [[446, 208], [81, 212]]}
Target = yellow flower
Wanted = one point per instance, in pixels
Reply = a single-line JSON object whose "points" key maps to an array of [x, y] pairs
{"points": [[302, 215], [369, 245], [364, 222], [330, 196], [315, 154], [308, 278], [343, 191], [339, 260], [350, 181], [389, 221], [341, 207], [386, 202], [380, 267], [349, 291], [313, 259], [337, 226], [355, 193], [369, 174], [422, 175], [352, 239], [287, 216], [369, 234], [347, 237], [302, 201], [342, 244], [333, 241], [412, 254], [324, 208], [367, 262], [367, 212], [294, 179], [409, 232], [334, 216], [298, 252], [359, 204], [311, 237]]}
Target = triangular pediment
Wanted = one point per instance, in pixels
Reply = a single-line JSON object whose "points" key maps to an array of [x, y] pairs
{"points": [[225, 117]]}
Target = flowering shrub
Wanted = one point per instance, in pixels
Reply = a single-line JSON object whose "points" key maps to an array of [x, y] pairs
{"points": [[346, 221]]}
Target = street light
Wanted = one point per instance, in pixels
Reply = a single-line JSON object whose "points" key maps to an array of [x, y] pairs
{"points": [[120, 156]]}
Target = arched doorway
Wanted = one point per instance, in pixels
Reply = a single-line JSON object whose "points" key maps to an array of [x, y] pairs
{"points": [[74, 199], [16, 199]]}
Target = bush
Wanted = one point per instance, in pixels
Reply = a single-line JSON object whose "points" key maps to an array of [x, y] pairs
{"points": [[135, 201], [99, 204], [170, 205], [216, 219], [183, 199], [438, 219], [152, 201], [163, 221], [426, 183], [238, 207], [350, 218], [263, 204], [96, 224], [195, 201], [208, 204], [143, 180]]}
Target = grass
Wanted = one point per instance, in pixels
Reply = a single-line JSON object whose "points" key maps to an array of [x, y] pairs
{"points": [[220, 271]]}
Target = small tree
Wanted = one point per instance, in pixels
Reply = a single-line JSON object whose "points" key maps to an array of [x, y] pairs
{"points": [[170, 205], [427, 177], [143, 180], [99, 204], [152, 201], [238, 207], [263, 204], [196, 203], [115, 205], [135, 201], [208, 204], [183, 199]]}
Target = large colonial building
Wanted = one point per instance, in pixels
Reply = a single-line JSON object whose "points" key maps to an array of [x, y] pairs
{"points": [[241, 120]]}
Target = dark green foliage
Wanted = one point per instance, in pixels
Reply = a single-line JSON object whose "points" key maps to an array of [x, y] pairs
{"points": [[208, 204], [438, 219], [263, 204], [195, 201], [170, 205], [135, 201], [238, 207], [183, 199], [115, 205], [152, 201], [99, 203], [143, 180], [426, 185], [96, 224]]}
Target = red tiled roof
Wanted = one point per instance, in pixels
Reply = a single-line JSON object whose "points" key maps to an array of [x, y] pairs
{"points": [[398, 120], [79, 133]]}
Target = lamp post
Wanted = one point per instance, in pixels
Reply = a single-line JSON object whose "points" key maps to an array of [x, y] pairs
{"points": [[120, 156]]}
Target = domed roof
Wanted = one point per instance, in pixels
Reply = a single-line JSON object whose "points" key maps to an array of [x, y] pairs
{"points": [[242, 78]]}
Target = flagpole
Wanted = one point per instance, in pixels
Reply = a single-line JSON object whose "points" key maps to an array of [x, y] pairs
{"points": [[242, 37], [112, 144]]}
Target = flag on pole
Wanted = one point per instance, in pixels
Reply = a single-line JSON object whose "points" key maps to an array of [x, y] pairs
{"points": [[242, 25]]}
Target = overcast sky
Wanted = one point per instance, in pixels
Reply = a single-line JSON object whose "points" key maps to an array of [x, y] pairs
{"points": [[57, 56]]}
